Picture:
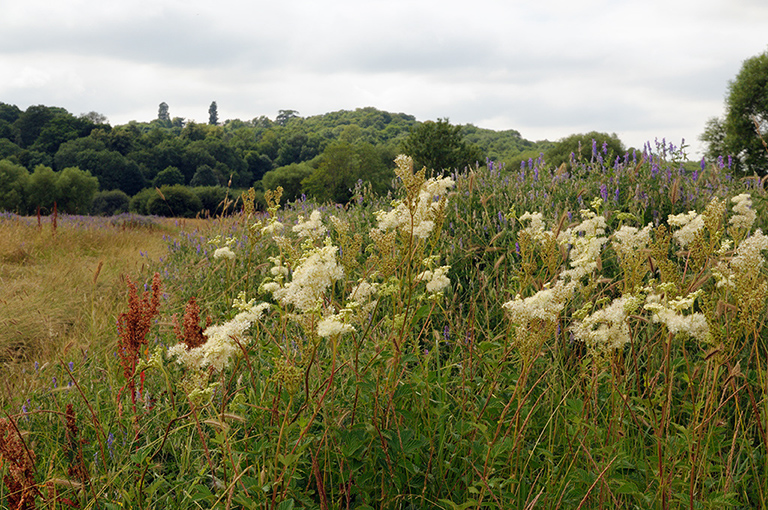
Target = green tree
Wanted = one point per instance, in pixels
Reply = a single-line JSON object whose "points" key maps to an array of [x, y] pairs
{"points": [[162, 113], [204, 176], [75, 189], [168, 177], [439, 146], [213, 114], [41, 188], [108, 203], [289, 177], [585, 146], [177, 201], [13, 185], [744, 128], [341, 166]]}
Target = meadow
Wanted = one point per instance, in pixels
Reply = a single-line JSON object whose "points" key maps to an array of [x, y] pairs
{"points": [[588, 336]]}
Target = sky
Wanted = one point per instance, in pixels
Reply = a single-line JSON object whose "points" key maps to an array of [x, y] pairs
{"points": [[643, 69]]}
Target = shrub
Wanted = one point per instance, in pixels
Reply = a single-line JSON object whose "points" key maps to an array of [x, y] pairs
{"points": [[178, 201], [108, 203]]}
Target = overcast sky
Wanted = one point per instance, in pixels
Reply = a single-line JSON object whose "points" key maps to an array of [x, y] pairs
{"points": [[548, 68]]}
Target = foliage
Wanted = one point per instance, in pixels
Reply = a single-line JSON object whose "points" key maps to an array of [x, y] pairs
{"points": [[13, 183], [108, 203], [288, 177], [439, 146], [75, 190], [178, 201], [584, 337], [743, 132], [168, 177], [341, 166]]}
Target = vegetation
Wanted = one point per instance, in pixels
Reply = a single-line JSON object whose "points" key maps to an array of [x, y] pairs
{"points": [[743, 131], [453, 348]]}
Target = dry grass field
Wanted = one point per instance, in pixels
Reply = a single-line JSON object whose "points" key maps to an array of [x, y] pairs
{"points": [[62, 288]]}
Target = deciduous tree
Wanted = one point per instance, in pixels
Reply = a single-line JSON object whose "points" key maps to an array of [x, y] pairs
{"points": [[741, 132]]}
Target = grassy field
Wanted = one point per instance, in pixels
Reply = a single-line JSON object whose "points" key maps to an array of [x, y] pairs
{"points": [[584, 337]]}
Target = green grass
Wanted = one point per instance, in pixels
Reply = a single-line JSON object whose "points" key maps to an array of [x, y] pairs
{"points": [[445, 400]]}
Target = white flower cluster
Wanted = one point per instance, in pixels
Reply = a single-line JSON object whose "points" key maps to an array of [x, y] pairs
{"points": [[537, 227], [545, 305], [333, 325], [745, 215], [362, 292], [224, 252], [586, 240], [312, 228], [437, 279], [690, 223], [317, 270], [607, 328], [670, 314], [420, 215], [222, 341], [628, 241], [749, 254]]}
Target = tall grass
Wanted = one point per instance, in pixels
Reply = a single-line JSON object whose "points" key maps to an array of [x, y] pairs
{"points": [[448, 349]]}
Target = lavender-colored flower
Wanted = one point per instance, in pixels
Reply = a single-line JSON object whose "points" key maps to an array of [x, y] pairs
{"points": [[37, 366], [447, 333], [517, 247], [720, 163], [71, 365], [730, 161], [110, 445], [55, 382], [604, 192]]}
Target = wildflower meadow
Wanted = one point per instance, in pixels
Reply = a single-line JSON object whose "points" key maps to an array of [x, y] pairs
{"points": [[576, 337]]}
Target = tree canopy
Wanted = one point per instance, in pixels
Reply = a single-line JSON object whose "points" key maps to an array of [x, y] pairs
{"points": [[743, 131]]}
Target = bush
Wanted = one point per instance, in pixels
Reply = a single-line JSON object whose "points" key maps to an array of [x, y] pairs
{"points": [[109, 203], [139, 201], [179, 201], [212, 198]]}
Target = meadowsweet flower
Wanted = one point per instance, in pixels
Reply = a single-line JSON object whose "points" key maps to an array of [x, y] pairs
{"points": [[312, 228], [745, 215], [362, 292], [273, 227], [670, 314], [419, 216], [606, 329], [690, 224], [537, 227], [586, 240], [748, 256], [334, 325], [317, 270], [222, 341], [628, 241], [437, 279], [224, 252], [545, 305]]}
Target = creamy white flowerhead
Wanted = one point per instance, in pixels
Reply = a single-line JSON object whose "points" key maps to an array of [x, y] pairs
{"points": [[313, 227], [628, 241], [437, 280], [316, 272], [422, 212], [607, 328], [745, 215], [333, 325], [690, 223], [224, 252], [222, 343]]}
